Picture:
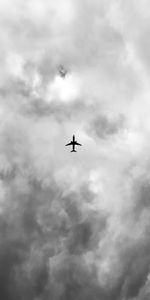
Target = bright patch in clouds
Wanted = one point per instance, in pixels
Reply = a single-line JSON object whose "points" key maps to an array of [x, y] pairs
{"points": [[64, 90]]}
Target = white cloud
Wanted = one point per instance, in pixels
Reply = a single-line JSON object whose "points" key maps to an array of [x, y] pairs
{"points": [[63, 90]]}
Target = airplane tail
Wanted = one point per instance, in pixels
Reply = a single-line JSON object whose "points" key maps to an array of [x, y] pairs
{"points": [[73, 151]]}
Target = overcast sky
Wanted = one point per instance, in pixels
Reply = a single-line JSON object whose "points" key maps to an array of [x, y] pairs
{"points": [[75, 226]]}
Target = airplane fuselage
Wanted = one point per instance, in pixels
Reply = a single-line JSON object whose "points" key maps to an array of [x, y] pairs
{"points": [[73, 144]]}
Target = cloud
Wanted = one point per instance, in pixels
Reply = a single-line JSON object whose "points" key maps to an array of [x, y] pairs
{"points": [[74, 226]]}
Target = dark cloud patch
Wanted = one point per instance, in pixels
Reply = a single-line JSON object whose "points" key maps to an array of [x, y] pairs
{"points": [[103, 127], [85, 236], [39, 229], [136, 269], [74, 281], [42, 226], [142, 201]]}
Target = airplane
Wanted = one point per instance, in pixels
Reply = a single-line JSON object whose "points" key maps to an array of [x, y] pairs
{"points": [[73, 143], [62, 71]]}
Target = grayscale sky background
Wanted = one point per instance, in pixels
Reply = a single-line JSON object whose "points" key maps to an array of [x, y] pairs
{"points": [[75, 226]]}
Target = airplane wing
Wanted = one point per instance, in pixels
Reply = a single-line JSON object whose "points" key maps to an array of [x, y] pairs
{"points": [[69, 144], [78, 144]]}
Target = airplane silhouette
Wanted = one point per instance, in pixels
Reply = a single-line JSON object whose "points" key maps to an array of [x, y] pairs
{"points": [[73, 143]]}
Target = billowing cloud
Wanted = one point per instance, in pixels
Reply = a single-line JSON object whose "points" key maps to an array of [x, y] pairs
{"points": [[74, 225]]}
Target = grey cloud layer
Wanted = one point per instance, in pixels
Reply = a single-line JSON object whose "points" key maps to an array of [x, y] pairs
{"points": [[74, 227]]}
